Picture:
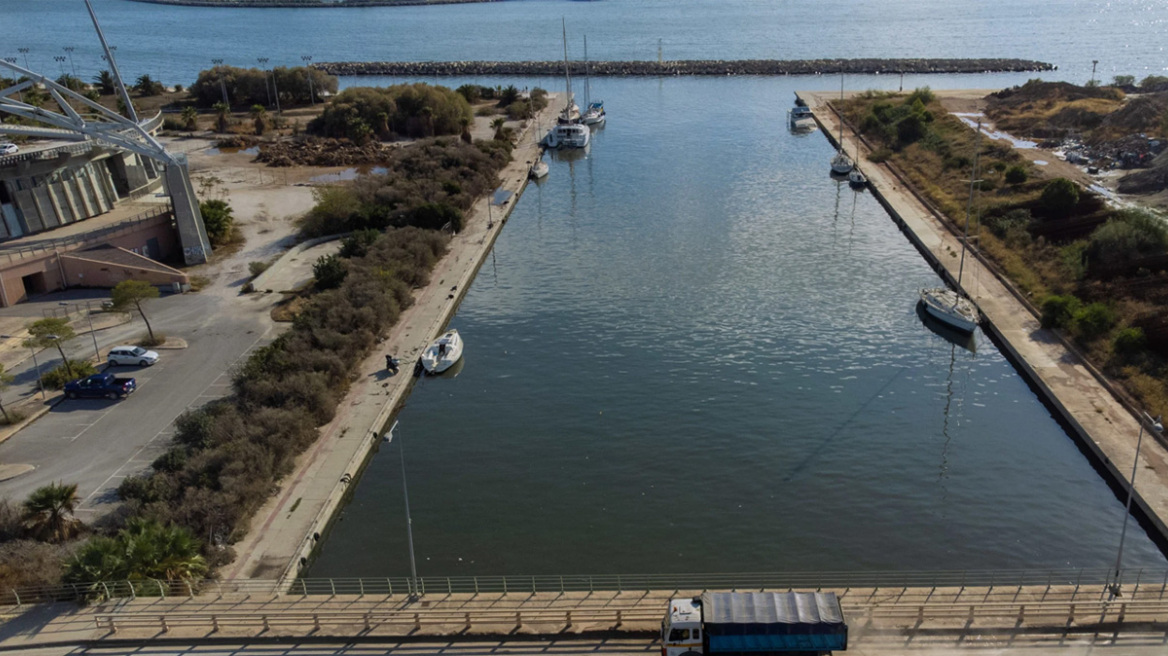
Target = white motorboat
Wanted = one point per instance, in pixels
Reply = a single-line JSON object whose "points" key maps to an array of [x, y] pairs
{"points": [[568, 135], [952, 308], [539, 170], [594, 115], [442, 353], [801, 118], [946, 304]]}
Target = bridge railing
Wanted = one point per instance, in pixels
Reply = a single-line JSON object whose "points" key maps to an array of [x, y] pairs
{"points": [[436, 585]]}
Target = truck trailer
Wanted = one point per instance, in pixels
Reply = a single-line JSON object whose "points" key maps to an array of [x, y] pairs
{"points": [[754, 624]]}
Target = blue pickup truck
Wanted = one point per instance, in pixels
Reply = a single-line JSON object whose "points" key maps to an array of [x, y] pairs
{"points": [[103, 385]]}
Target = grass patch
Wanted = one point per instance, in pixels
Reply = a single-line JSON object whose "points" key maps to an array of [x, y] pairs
{"points": [[145, 340], [199, 283]]}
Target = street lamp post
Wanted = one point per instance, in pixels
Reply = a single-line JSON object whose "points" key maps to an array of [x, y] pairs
{"points": [[222, 85], [36, 366], [409, 521], [1158, 427], [307, 59], [264, 67], [89, 316], [60, 59], [70, 49], [1094, 63], [24, 51]]}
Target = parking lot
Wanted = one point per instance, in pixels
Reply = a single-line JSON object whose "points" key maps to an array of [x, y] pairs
{"points": [[96, 443]]}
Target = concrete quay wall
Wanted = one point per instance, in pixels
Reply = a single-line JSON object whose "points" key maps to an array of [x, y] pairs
{"points": [[1094, 412], [305, 4], [687, 67]]}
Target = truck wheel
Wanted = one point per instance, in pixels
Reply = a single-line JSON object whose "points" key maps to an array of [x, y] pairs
{"points": [[111, 395], [70, 395]]}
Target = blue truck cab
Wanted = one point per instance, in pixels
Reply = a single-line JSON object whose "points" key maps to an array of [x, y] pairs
{"points": [[103, 385], [754, 624]]}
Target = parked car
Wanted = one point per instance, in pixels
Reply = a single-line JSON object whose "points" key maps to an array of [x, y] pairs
{"points": [[103, 385], [8, 148], [131, 355]]}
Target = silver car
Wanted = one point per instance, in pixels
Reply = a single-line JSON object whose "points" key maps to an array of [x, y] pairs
{"points": [[131, 355], [8, 148]]}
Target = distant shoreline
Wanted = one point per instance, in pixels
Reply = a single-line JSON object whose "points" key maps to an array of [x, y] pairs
{"points": [[688, 67], [305, 4]]}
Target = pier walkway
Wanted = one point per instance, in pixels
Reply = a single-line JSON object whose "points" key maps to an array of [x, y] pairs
{"points": [[1100, 422]]}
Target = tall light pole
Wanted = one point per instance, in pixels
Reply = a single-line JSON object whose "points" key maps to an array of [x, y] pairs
{"points": [[70, 49], [264, 67], [307, 59], [24, 51], [222, 85], [89, 316], [60, 59], [1094, 63], [37, 367], [409, 521], [1158, 427]]}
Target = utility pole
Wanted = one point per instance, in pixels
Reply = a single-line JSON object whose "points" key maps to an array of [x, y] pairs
{"points": [[264, 67], [60, 59], [70, 49], [24, 51]]}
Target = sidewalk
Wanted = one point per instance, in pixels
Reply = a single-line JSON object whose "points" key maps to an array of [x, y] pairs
{"points": [[287, 528]]}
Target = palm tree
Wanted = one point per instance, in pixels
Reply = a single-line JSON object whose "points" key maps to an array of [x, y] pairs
{"points": [[105, 82], [498, 125], [260, 116], [222, 113], [146, 86], [190, 117], [100, 559], [48, 512], [465, 123], [155, 551]]}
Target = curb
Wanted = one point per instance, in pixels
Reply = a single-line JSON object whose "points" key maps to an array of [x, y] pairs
{"points": [[44, 408]]}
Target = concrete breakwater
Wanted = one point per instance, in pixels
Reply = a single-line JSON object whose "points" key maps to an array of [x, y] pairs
{"points": [[688, 67]]}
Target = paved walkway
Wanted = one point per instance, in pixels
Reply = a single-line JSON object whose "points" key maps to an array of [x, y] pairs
{"points": [[1104, 424], [286, 528]]}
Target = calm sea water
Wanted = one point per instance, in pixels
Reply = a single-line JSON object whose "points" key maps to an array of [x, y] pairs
{"points": [[691, 350], [174, 43]]}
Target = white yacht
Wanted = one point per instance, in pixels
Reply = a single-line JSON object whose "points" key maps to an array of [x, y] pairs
{"points": [[801, 118], [539, 169], [946, 304], [442, 353], [568, 135]]}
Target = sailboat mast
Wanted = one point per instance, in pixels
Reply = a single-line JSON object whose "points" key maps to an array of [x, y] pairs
{"points": [[587, 75], [969, 206], [567, 72]]}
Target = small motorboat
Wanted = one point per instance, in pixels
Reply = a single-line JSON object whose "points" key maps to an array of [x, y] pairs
{"points": [[442, 353], [538, 170], [801, 118], [856, 180], [952, 308], [594, 115]]}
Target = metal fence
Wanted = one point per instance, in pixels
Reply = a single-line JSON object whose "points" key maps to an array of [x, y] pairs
{"points": [[435, 585]]}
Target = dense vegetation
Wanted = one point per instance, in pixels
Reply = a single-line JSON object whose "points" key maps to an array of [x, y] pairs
{"points": [[429, 184], [507, 99], [252, 86], [411, 110], [1099, 274]]}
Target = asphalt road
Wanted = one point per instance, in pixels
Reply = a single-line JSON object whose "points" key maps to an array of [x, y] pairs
{"points": [[97, 443]]}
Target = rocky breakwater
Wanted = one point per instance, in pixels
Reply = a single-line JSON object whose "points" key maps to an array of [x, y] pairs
{"points": [[688, 67]]}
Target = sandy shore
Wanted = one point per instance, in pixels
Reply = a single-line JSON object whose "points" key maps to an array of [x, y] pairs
{"points": [[1099, 421], [287, 528]]}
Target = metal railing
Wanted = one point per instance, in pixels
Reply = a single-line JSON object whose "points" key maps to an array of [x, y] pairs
{"points": [[1144, 579], [150, 125], [44, 246]]}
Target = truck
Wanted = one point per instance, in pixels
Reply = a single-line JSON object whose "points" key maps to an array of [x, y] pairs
{"points": [[753, 624], [100, 385]]}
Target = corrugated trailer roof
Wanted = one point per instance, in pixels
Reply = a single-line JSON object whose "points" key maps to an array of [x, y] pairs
{"points": [[756, 608]]}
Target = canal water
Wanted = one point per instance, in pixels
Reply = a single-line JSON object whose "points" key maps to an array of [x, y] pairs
{"points": [[693, 351]]}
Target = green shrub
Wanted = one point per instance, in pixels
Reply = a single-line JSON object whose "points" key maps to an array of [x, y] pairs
{"points": [[218, 219], [358, 243], [329, 272], [1119, 244], [1059, 311], [250, 86], [879, 156], [910, 129], [1129, 341], [437, 216], [56, 377], [1093, 321], [1123, 80], [415, 110], [1002, 224], [256, 268], [1059, 196], [1016, 174]]}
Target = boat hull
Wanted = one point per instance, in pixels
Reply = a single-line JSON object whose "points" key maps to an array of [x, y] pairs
{"points": [[539, 170], [442, 353], [950, 308]]}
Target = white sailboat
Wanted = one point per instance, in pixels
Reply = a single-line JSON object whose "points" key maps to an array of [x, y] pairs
{"points": [[594, 111], [841, 164], [442, 353], [568, 132], [948, 305], [539, 169]]}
